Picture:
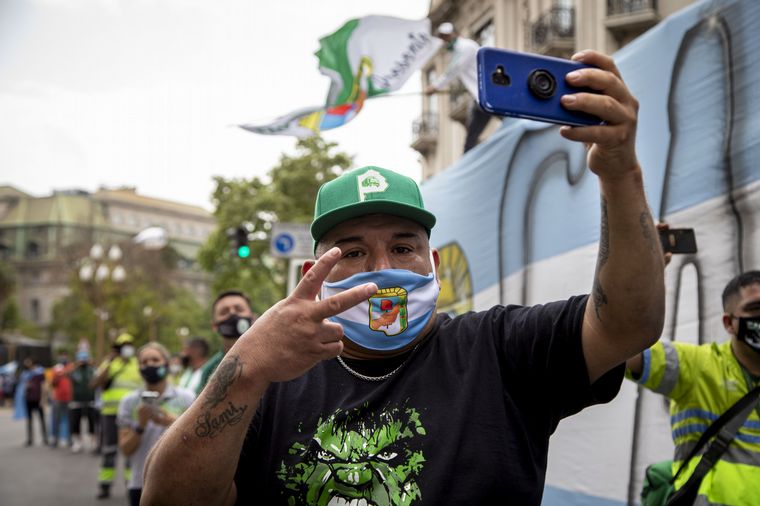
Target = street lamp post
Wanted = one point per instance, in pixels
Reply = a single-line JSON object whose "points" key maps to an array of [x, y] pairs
{"points": [[98, 267]]}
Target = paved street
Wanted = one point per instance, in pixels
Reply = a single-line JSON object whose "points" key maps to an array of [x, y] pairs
{"points": [[42, 476]]}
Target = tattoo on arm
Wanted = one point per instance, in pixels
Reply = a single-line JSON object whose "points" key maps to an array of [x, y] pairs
{"points": [[604, 238], [646, 228], [208, 425], [229, 370], [604, 253]]}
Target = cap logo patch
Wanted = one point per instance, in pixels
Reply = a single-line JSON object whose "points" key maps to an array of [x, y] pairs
{"points": [[371, 182]]}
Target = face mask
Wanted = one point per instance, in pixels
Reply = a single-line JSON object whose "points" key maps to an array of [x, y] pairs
{"points": [[393, 317], [175, 368], [233, 327], [127, 351], [185, 361], [152, 374], [749, 332]]}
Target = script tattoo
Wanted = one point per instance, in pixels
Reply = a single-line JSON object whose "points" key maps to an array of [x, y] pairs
{"points": [[646, 228], [604, 253], [210, 425]]}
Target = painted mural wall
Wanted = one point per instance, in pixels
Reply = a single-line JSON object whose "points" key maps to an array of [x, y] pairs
{"points": [[518, 222]]}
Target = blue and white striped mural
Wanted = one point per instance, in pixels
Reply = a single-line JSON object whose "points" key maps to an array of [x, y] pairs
{"points": [[518, 222]]}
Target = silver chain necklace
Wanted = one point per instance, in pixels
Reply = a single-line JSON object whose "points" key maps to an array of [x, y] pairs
{"points": [[374, 378]]}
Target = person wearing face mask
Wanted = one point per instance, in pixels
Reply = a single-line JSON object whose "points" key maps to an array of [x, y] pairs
{"points": [[702, 382], [145, 413], [231, 316], [194, 357], [117, 376], [354, 390], [82, 404]]}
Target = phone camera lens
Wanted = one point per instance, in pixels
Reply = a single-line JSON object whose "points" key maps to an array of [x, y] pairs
{"points": [[542, 83]]}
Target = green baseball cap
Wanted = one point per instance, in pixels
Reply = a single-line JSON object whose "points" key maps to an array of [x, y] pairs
{"points": [[368, 190]]}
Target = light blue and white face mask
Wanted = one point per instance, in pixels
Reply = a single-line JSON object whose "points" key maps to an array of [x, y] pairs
{"points": [[395, 315]]}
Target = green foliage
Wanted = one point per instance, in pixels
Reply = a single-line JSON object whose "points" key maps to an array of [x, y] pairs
{"points": [[287, 194], [7, 283], [148, 302]]}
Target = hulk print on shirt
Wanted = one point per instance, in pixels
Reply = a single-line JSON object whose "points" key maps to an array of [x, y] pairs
{"points": [[357, 457]]}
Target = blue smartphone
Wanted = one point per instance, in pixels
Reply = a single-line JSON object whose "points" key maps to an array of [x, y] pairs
{"points": [[528, 86]]}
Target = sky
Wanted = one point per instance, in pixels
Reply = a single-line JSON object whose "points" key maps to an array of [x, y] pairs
{"points": [[146, 93]]}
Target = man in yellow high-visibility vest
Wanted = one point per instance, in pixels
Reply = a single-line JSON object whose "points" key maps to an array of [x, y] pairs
{"points": [[702, 382], [117, 376]]}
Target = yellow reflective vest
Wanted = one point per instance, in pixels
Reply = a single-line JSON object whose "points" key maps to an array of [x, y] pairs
{"points": [[124, 377], [702, 382]]}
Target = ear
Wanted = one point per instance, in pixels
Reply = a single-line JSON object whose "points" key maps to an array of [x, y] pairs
{"points": [[308, 264], [728, 324], [437, 263]]}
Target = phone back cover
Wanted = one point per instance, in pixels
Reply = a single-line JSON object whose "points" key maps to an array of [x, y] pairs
{"points": [[516, 99]]}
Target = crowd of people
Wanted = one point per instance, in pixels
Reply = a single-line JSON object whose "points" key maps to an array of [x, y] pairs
{"points": [[354, 390], [129, 399]]}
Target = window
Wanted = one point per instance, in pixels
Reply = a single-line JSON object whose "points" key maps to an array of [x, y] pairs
{"points": [[432, 100], [33, 249], [35, 307]]}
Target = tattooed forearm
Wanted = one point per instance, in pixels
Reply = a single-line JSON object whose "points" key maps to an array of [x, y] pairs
{"points": [[604, 238], [599, 298], [646, 228], [604, 253], [210, 427], [229, 370]]}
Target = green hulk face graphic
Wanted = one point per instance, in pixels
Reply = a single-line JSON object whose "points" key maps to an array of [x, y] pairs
{"points": [[358, 458]]}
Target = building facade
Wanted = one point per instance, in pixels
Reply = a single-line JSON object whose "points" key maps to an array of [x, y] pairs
{"points": [[550, 27], [43, 239]]}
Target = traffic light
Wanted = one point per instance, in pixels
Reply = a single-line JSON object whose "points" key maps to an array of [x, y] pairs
{"points": [[239, 238]]}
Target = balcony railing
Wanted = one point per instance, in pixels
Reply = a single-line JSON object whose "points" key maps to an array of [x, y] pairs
{"points": [[627, 19], [554, 32], [425, 133], [615, 7]]}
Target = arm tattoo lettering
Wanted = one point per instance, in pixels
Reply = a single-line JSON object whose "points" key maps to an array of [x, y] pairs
{"points": [[229, 370], [208, 425], [604, 253]]}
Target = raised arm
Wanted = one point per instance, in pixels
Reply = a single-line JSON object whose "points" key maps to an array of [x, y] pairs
{"points": [[626, 310], [195, 460]]}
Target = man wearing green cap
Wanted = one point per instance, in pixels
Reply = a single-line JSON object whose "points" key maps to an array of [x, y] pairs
{"points": [[352, 390]]}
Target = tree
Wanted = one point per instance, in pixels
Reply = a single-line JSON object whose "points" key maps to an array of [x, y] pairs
{"points": [[150, 284], [287, 194], [7, 286]]}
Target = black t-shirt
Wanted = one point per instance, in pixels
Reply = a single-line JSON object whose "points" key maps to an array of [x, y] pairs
{"points": [[466, 420]]}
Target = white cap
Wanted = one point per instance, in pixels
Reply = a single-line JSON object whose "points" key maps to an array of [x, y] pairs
{"points": [[445, 28]]}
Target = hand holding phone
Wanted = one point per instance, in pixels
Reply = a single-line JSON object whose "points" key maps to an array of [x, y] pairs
{"points": [[678, 241], [529, 86]]}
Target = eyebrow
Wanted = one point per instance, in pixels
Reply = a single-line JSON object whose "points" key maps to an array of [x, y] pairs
{"points": [[359, 238], [751, 306]]}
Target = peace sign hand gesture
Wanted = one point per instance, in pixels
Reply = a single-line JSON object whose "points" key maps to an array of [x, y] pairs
{"points": [[294, 334]]}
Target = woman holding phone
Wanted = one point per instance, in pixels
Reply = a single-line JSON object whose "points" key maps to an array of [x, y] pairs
{"points": [[145, 413]]}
